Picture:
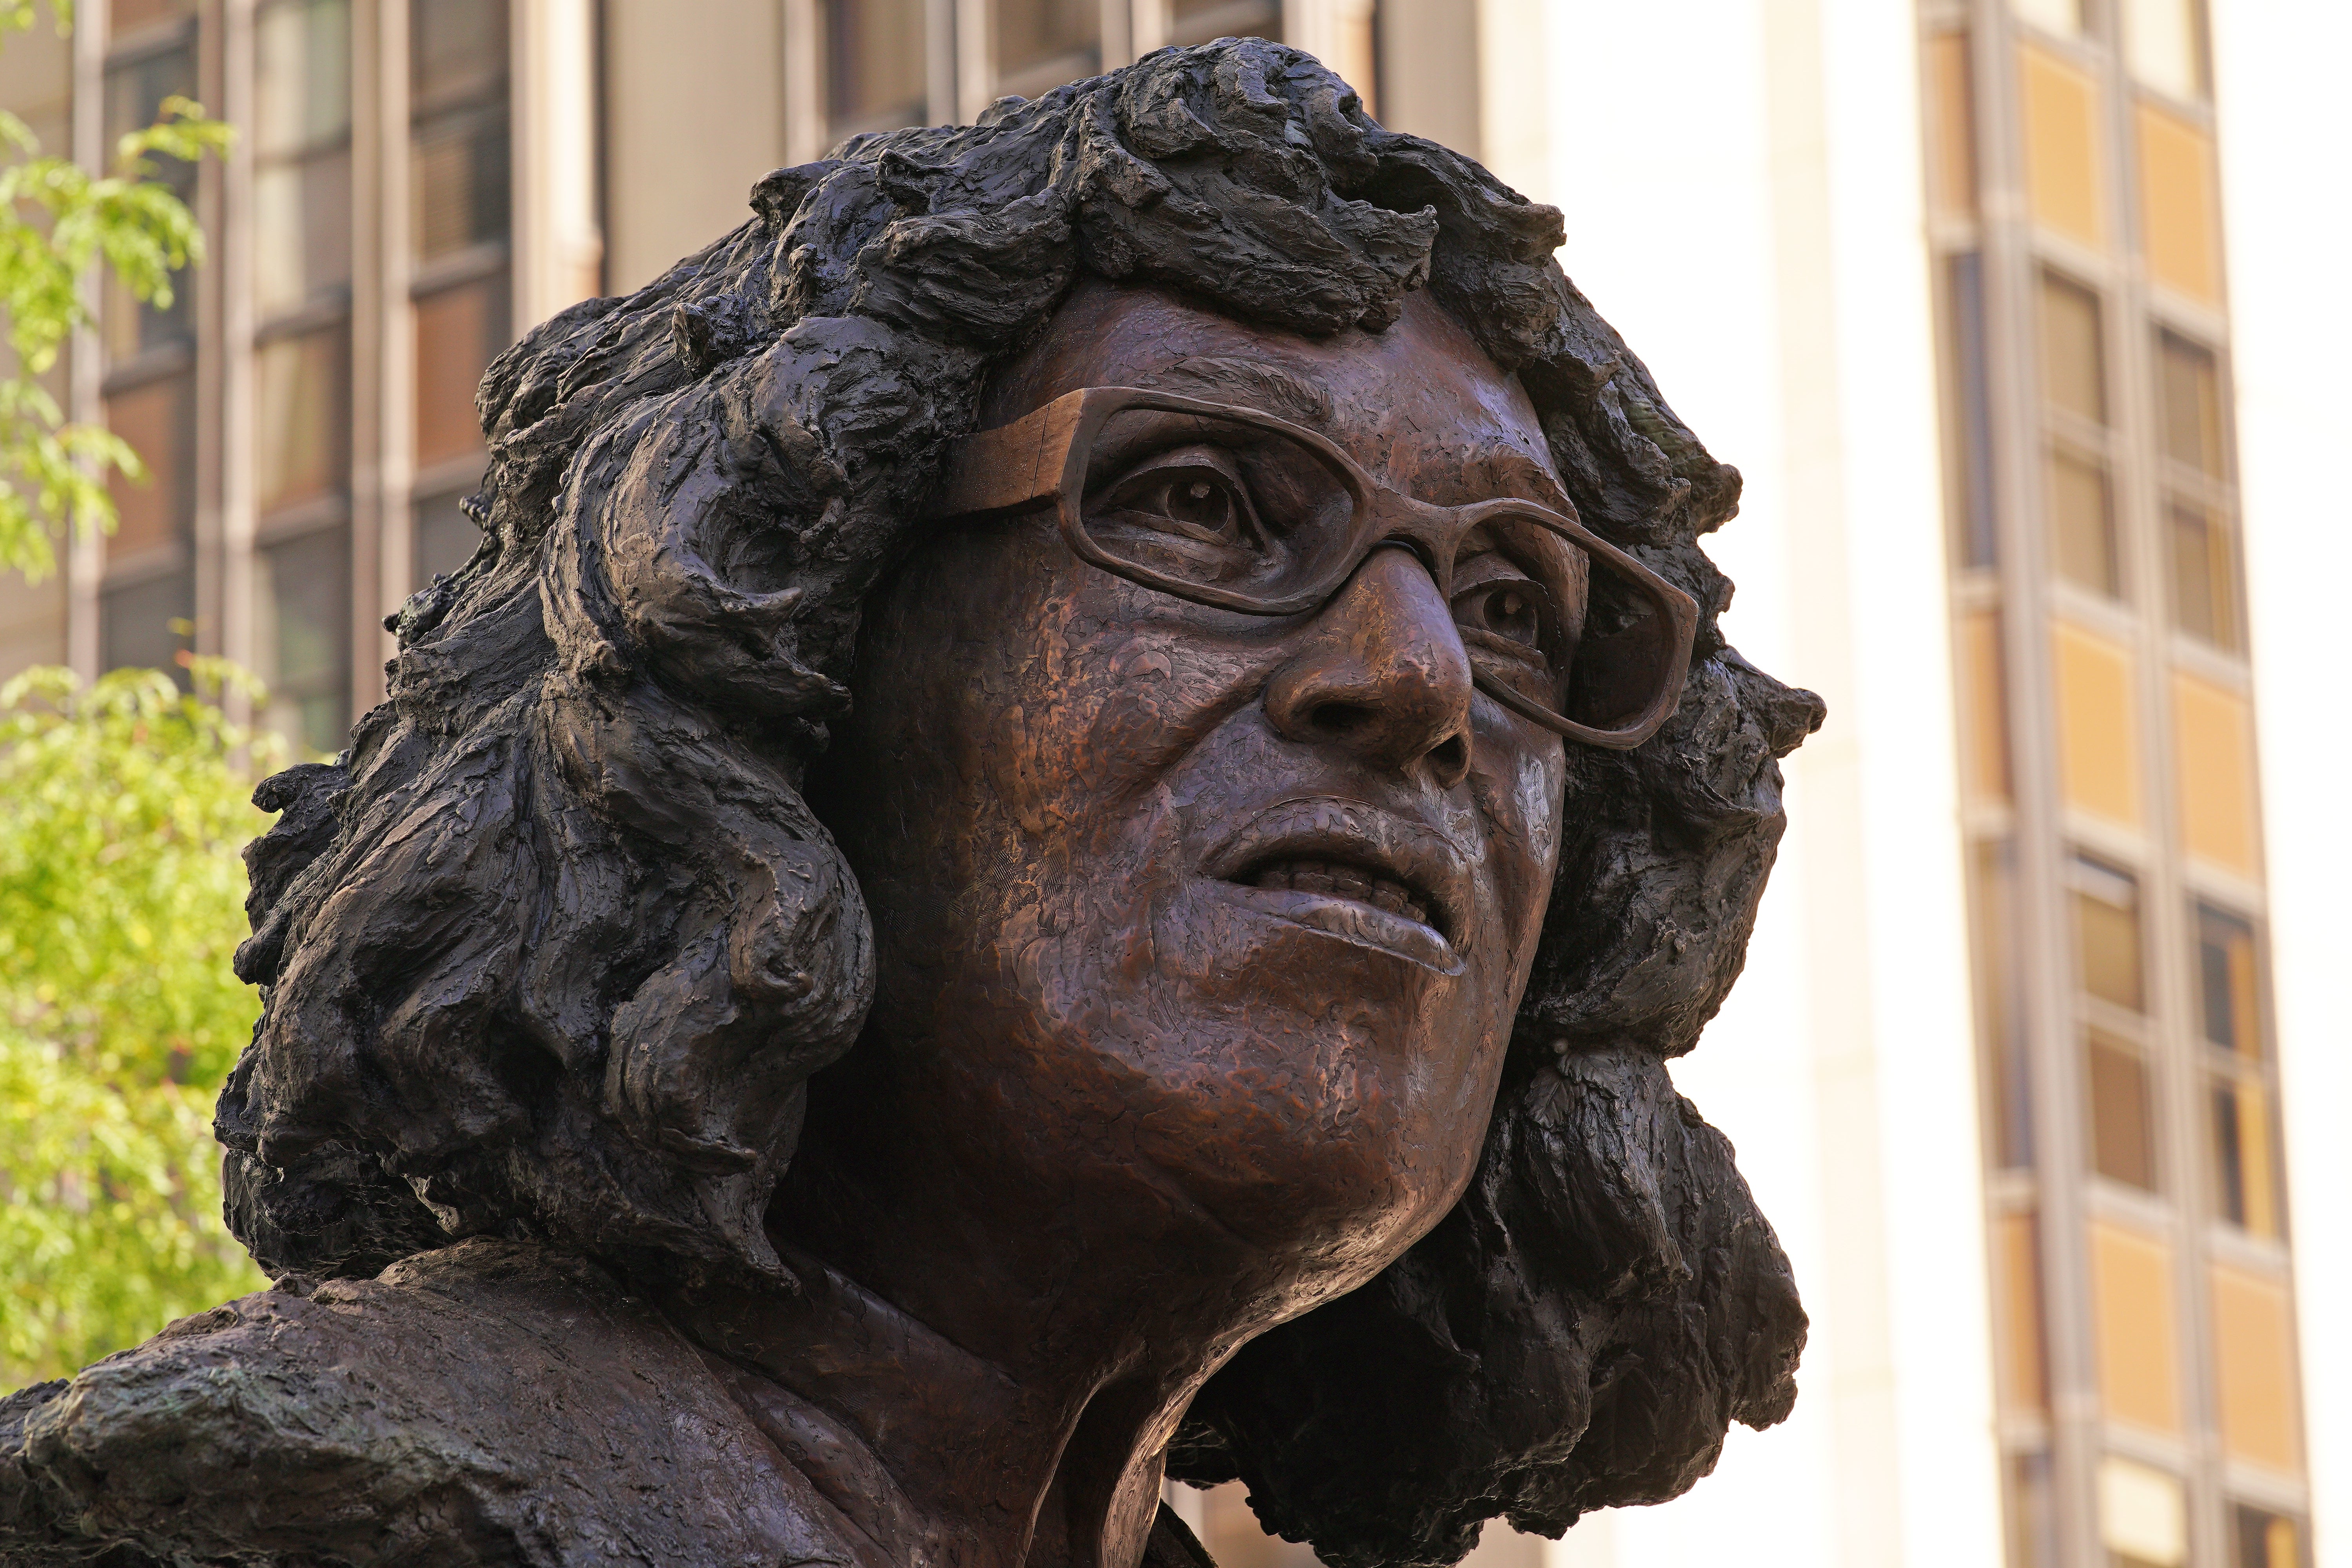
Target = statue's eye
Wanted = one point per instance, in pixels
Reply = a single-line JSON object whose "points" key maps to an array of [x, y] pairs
{"points": [[1192, 499], [1508, 608]]}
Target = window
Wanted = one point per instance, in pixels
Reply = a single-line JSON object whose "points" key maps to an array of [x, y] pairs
{"points": [[2241, 1118], [2204, 561], [158, 418], [2000, 1010], [2107, 932], [302, 158], [2064, 17], [1984, 718], [2253, 1369], [2131, 1283], [2261, 1539], [2245, 1172], [2082, 523], [458, 86], [1952, 123], [2123, 1120], [301, 427], [459, 331], [446, 537], [148, 624], [2228, 995], [2178, 203], [302, 636], [2143, 1516], [125, 16], [2213, 765], [135, 91], [2032, 1516], [1041, 44], [2062, 147], [2098, 742], [2190, 402], [1970, 392], [1198, 21], [2073, 351], [2017, 1315], [2164, 43], [876, 75]]}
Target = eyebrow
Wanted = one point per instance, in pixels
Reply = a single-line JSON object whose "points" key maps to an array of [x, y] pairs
{"points": [[1273, 388]]}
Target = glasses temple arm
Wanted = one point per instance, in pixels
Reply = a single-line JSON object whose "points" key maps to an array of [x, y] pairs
{"points": [[1011, 468]]}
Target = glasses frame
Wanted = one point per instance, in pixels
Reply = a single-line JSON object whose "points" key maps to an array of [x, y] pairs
{"points": [[1042, 457]]}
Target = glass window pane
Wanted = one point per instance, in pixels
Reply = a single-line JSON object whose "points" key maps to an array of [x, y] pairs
{"points": [[2073, 354], [2245, 1160], [2017, 1293], [1234, 1537], [459, 331], [2189, 398], [2131, 1282], [458, 48], [2062, 147], [875, 70], [1041, 44], [2055, 16], [2165, 42], [2082, 523], [135, 90], [2253, 1369], [2178, 209], [2213, 765], [446, 537], [302, 231], [1984, 716], [1999, 1005], [2098, 742], [1971, 396], [2204, 549], [158, 418], [2107, 932], [2264, 1540], [2032, 1514], [302, 636], [460, 175], [1198, 21], [302, 76], [148, 624], [2143, 1516], [300, 429], [1952, 166], [130, 15], [2123, 1124], [2229, 983]]}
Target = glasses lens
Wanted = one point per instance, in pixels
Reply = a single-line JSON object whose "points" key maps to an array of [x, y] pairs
{"points": [[1218, 504], [1626, 655]]}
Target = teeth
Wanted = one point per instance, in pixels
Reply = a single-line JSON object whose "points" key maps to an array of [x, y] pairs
{"points": [[1341, 882]]}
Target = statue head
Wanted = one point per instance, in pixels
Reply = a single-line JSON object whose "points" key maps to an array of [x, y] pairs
{"points": [[1135, 677]]}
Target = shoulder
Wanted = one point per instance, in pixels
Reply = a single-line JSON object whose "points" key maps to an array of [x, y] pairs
{"points": [[488, 1402]]}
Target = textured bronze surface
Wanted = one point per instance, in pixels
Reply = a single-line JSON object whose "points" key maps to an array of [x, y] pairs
{"points": [[849, 1009]]}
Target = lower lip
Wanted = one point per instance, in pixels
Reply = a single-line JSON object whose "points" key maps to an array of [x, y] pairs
{"points": [[1351, 920]]}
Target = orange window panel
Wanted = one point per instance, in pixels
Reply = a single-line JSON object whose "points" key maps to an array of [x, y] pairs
{"points": [[2062, 146], [2017, 1293], [2177, 203], [2253, 1369], [459, 331], [2131, 1279], [1984, 716], [156, 420], [2097, 740], [2213, 760], [1952, 161]]}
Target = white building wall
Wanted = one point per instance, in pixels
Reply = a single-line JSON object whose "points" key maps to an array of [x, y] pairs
{"points": [[1743, 184], [2286, 145]]}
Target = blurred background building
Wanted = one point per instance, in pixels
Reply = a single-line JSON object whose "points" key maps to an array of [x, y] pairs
{"points": [[2011, 311]]}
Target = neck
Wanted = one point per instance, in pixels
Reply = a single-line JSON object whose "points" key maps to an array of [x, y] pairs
{"points": [[985, 1372]]}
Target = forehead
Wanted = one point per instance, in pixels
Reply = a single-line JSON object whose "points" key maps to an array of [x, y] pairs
{"points": [[1420, 405]]}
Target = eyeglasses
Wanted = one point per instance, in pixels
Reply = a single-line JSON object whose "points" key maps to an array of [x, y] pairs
{"points": [[1239, 510]]}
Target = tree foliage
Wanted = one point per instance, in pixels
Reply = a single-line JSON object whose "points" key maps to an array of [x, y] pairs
{"points": [[57, 220], [121, 901]]}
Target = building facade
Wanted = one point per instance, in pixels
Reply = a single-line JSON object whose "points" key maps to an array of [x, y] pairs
{"points": [[1951, 280]]}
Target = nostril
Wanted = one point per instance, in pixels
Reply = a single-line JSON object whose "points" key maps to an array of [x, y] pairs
{"points": [[1450, 758], [1339, 720]]}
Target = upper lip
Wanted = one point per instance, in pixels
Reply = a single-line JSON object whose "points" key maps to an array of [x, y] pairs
{"points": [[1325, 827]]}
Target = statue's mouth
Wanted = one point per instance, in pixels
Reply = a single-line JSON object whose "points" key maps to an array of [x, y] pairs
{"points": [[1367, 876]]}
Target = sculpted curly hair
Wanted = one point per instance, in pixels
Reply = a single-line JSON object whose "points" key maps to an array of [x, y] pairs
{"points": [[551, 950]]}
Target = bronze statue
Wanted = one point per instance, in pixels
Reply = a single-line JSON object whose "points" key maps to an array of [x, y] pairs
{"points": [[1058, 837]]}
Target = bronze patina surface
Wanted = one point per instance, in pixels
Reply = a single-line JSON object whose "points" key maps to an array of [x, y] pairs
{"points": [[1057, 839]]}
